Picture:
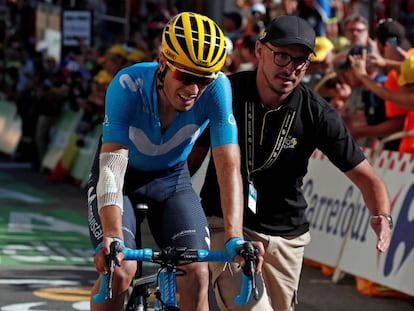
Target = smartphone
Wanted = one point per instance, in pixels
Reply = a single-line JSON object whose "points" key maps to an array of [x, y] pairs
{"points": [[331, 83], [393, 41]]}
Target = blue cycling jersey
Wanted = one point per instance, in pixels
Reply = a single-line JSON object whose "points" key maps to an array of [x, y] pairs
{"points": [[132, 119]]}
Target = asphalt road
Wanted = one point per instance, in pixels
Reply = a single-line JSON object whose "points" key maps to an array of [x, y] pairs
{"points": [[42, 266]]}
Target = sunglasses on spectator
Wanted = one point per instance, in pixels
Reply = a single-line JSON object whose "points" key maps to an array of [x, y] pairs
{"points": [[283, 59], [188, 78], [356, 29]]}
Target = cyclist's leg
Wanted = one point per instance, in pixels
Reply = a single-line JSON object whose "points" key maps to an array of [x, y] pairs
{"points": [[180, 221], [125, 273], [227, 278], [192, 233]]}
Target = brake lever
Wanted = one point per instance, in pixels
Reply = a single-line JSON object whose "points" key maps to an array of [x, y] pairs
{"points": [[115, 249], [249, 253]]}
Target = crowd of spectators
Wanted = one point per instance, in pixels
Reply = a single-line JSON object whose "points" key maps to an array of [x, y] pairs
{"points": [[370, 116], [43, 88]]}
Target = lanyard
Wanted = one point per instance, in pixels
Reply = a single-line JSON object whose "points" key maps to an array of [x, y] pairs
{"points": [[279, 142]]}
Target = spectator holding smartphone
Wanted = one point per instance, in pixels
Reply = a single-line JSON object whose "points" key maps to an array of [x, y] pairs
{"points": [[403, 97], [393, 47]]}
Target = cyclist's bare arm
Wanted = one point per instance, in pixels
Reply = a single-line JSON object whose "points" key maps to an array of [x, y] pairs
{"points": [[110, 215], [227, 162]]}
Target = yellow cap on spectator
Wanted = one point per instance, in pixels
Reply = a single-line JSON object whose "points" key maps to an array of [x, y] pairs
{"points": [[136, 56], [332, 20], [117, 49], [102, 77], [406, 72], [322, 47]]}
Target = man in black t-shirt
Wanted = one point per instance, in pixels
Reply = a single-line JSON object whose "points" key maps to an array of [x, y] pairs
{"points": [[280, 124]]}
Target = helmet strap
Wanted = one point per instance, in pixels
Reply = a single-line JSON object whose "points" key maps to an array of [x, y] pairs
{"points": [[161, 78]]}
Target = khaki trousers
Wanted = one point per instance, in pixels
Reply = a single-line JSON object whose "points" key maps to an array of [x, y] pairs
{"points": [[278, 281]]}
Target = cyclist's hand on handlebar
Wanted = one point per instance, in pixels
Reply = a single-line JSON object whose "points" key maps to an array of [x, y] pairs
{"points": [[233, 247], [250, 257], [260, 254], [102, 255]]}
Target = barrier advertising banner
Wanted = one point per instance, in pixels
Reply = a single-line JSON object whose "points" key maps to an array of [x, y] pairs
{"points": [[340, 223]]}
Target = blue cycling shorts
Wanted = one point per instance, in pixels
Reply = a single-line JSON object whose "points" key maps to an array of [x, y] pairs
{"points": [[174, 215]]}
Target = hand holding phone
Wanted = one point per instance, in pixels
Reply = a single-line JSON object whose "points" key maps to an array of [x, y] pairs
{"points": [[393, 51], [393, 41]]}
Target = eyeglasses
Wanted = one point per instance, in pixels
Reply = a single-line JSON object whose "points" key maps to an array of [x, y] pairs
{"points": [[283, 59], [356, 29], [188, 78]]}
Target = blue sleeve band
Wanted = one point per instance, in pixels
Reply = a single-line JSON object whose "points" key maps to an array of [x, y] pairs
{"points": [[232, 245]]}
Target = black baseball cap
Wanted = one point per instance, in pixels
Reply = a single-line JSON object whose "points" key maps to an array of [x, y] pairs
{"points": [[289, 29]]}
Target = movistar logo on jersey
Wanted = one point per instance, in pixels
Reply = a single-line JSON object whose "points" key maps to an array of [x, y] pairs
{"points": [[147, 147], [105, 121], [127, 81], [231, 119]]}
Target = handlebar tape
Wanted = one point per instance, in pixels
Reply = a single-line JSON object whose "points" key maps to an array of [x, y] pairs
{"points": [[245, 291], [101, 296]]}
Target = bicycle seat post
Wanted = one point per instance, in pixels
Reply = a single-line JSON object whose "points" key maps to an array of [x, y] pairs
{"points": [[140, 208]]}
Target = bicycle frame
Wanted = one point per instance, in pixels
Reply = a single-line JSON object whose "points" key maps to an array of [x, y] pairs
{"points": [[168, 289], [169, 260], [137, 297]]}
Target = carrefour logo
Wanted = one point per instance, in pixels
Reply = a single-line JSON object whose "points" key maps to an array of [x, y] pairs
{"points": [[402, 242], [335, 216]]}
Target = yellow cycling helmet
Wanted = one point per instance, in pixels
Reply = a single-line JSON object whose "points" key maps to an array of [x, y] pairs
{"points": [[195, 43]]}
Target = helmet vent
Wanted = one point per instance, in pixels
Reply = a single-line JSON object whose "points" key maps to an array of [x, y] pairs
{"points": [[207, 39], [195, 42]]}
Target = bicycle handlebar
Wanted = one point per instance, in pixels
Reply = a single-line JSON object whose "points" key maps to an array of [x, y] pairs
{"points": [[178, 256]]}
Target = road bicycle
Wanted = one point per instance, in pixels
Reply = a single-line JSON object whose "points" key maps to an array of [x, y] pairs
{"points": [[169, 261]]}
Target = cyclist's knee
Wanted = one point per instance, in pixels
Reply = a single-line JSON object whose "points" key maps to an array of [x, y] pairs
{"points": [[198, 272], [123, 275], [194, 286]]}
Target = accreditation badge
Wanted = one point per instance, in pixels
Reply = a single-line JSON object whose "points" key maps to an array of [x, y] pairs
{"points": [[252, 198]]}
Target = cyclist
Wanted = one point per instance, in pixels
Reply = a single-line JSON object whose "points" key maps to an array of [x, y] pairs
{"points": [[154, 113]]}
